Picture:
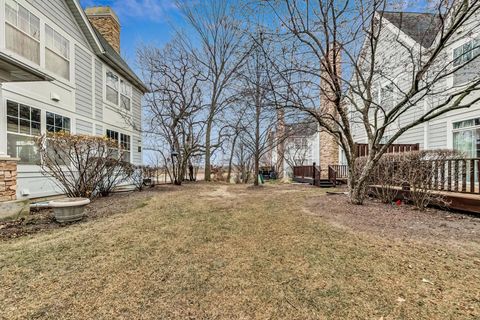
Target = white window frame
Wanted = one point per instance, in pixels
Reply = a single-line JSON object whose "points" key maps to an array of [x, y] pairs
{"points": [[28, 135], [121, 81], [127, 94], [120, 143], [16, 27], [472, 52], [54, 124], [67, 58]]}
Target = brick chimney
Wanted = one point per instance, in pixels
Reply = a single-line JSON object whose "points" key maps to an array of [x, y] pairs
{"points": [[105, 20], [329, 149]]}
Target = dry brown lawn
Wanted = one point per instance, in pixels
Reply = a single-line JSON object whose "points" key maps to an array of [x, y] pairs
{"points": [[232, 252]]}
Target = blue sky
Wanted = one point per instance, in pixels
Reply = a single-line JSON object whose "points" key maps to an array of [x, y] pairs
{"points": [[143, 21]]}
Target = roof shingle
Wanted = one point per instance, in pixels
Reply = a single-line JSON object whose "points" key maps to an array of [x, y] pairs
{"points": [[421, 27]]}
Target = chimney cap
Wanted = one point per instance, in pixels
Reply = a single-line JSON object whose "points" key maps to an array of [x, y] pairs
{"points": [[102, 11]]}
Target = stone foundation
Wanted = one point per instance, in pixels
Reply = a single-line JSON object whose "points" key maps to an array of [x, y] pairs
{"points": [[8, 179]]}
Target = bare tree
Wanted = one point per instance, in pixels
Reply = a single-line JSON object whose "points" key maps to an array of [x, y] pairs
{"points": [[173, 114], [255, 84], [221, 53], [329, 36]]}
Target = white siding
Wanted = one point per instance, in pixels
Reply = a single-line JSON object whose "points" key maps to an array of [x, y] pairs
{"points": [[60, 14], [98, 90], [437, 136], [99, 130], [83, 82], [84, 127]]}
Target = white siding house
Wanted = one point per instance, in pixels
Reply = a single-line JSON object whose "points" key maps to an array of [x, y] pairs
{"points": [[459, 129], [82, 85]]}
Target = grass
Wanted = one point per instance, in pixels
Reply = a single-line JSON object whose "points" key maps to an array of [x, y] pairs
{"points": [[231, 252]]}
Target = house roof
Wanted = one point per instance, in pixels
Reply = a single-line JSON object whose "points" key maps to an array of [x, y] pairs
{"points": [[302, 129], [421, 27], [102, 48]]}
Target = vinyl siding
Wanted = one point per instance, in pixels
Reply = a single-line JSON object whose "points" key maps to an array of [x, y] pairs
{"points": [[137, 156], [98, 90], [137, 120], [437, 136], [58, 12], [99, 130], [84, 127], [83, 81], [137, 108]]}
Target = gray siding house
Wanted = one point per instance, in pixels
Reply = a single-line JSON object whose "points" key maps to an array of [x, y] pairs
{"points": [[459, 129], [61, 69]]}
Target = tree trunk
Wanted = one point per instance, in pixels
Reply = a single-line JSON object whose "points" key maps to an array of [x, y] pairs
{"points": [[230, 160], [358, 181], [208, 151], [257, 135]]}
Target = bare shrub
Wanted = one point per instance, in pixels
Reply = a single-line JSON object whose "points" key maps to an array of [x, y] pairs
{"points": [[385, 178], [419, 173], [115, 172], [81, 165]]}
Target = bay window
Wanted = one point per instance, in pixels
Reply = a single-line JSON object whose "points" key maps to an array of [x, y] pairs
{"points": [[23, 126], [57, 53], [112, 87], [22, 31]]}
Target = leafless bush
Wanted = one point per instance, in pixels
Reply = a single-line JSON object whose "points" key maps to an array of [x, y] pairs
{"points": [[384, 180], [419, 173], [142, 173], [115, 172], [82, 166]]}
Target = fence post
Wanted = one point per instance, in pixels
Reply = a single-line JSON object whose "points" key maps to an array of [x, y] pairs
{"points": [[313, 172]]}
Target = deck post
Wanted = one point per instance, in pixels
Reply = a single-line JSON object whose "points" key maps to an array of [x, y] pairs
{"points": [[313, 173]]}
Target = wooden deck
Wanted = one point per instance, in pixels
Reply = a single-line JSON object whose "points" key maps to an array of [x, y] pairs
{"points": [[460, 201]]}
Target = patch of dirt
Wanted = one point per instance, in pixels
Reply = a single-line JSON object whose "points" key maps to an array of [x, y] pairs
{"points": [[220, 192], [401, 222], [42, 219]]}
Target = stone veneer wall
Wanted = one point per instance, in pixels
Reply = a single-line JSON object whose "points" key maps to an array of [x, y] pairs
{"points": [[329, 149], [107, 23], [8, 179]]}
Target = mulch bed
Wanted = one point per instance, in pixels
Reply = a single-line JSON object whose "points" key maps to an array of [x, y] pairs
{"points": [[397, 221], [42, 219]]}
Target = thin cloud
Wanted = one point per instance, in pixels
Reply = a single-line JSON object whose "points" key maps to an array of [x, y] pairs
{"points": [[154, 10]]}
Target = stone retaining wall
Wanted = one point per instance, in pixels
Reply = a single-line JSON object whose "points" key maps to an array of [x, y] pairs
{"points": [[8, 179]]}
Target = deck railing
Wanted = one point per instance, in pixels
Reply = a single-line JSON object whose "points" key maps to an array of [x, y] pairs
{"points": [[309, 172], [362, 148], [337, 172], [450, 175], [456, 175]]}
